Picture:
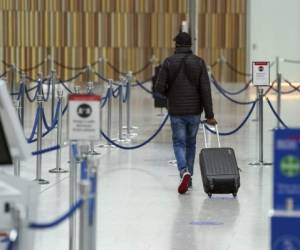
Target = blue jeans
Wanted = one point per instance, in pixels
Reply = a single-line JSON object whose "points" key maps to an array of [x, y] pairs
{"points": [[184, 132]]}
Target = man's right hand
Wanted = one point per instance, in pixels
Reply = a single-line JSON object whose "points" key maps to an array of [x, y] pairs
{"points": [[211, 121]]}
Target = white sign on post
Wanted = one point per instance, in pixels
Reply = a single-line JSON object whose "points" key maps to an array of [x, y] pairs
{"points": [[261, 73], [84, 117]]}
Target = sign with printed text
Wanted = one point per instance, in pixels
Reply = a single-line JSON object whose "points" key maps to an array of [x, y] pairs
{"points": [[261, 73], [84, 117], [286, 169], [285, 232]]}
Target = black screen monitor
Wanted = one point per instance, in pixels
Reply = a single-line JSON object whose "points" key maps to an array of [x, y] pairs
{"points": [[5, 157]]}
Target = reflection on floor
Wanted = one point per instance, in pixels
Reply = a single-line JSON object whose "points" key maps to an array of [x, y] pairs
{"points": [[138, 205]]}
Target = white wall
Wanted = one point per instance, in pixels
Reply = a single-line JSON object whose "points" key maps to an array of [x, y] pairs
{"points": [[274, 30]]}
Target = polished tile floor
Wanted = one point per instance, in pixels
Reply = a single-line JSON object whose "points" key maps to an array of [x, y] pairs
{"points": [[138, 204]]}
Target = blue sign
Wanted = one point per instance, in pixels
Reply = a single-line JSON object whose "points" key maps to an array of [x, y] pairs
{"points": [[286, 168], [285, 233]]}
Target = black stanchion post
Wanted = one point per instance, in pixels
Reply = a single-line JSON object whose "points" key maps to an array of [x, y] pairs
{"points": [[58, 169], [261, 161]]}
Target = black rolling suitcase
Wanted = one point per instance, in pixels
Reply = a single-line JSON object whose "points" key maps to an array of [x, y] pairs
{"points": [[219, 169]]}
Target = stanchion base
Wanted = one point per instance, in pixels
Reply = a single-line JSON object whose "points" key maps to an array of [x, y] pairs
{"points": [[58, 171], [132, 127], [172, 162], [100, 145], [93, 153], [260, 163], [109, 146], [120, 140], [41, 181], [161, 114], [254, 120]]}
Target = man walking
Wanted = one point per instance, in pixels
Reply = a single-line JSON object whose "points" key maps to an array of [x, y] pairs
{"points": [[183, 79]]}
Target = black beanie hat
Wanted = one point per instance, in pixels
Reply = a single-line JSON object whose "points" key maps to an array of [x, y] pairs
{"points": [[183, 39]]}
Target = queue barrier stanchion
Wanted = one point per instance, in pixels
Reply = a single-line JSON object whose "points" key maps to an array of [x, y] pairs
{"points": [[53, 91], [84, 189], [222, 67], [129, 128], [121, 97], [109, 111], [279, 87], [257, 107], [17, 163], [39, 178], [103, 100], [93, 163], [128, 106], [74, 160], [58, 169], [11, 77], [77, 89], [260, 161], [22, 99], [90, 91], [84, 216]]}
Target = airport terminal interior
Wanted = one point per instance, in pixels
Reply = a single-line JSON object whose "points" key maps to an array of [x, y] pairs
{"points": [[86, 151]]}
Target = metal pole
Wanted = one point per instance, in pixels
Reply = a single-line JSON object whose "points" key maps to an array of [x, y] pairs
{"points": [[90, 91], [89, 71], [17, 163], [261, 161], [22, 100], [261, 127], [93, 174], [77, 89], [101, 68], [58, 169], [256, 108], [53, 85], [39, 178], [222, 68], [122, 82], [11, 77], [279, 80], [84, 243], [128, 128], [73, 198], [109, 109]]}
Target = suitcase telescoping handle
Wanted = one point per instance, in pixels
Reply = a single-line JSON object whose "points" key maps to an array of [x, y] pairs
{"points": [[205, 135]]}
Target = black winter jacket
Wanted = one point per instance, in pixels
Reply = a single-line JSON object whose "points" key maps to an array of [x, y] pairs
{"points": [[187, 89]]}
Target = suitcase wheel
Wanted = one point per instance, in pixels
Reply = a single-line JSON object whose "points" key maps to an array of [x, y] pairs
{"points": [[209, 195], [234, 195]]}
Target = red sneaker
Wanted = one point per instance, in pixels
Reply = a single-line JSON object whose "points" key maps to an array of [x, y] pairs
{"points": [[184, 183]]}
